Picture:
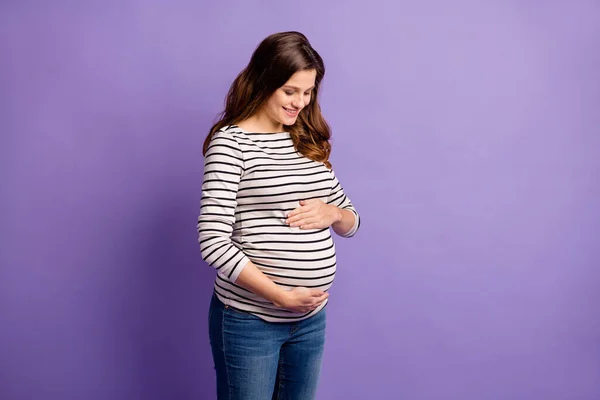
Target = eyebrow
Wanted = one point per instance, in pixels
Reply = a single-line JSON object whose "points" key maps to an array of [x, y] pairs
{"points": [[297, 88]]}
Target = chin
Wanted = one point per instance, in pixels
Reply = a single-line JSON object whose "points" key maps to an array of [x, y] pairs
{"points": [[289, 120]]}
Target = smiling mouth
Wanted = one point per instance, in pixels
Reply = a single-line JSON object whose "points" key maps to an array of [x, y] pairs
{"points": [[291, 112]]}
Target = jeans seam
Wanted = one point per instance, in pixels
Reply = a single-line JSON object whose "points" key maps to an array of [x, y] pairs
{"points": [[225, 354], [280, 373]]}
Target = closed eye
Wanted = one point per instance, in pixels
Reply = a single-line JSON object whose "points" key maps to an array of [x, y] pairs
{"points": [[290, 93]]}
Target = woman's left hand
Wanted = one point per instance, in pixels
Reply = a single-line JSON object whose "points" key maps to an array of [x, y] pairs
{"points": [[313, 214]]}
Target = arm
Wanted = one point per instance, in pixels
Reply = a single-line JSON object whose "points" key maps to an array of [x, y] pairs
{"points": [[255, 281], [345, 222], [298, 299], [348, 220], [223, 166]]}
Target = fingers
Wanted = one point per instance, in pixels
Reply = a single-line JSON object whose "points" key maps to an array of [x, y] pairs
{"points": [[315, 299], [308, 201], [311, 226], [305, 205], [298, 212], [294, 221], [319, 299], [308, 299], [303, 223], [302, 219], [312, 306], [322, 298]]}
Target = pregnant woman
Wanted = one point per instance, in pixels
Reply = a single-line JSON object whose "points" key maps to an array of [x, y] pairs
{"points": [[269, 199]]}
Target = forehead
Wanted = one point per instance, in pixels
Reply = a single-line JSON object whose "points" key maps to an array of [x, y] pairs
{"points": [[302, 79]]}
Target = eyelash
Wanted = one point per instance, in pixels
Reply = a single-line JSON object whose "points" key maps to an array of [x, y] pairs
{"points": [[291, 93]]}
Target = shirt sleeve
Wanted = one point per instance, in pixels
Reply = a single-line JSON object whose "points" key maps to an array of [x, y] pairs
{"points": [[338, 198], [223, 167]]}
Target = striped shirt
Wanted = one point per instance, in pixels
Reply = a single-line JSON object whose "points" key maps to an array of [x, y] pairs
{"points": [[251, 180]]}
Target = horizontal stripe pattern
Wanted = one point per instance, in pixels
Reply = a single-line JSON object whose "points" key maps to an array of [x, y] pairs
{"points": [[251, 180]]}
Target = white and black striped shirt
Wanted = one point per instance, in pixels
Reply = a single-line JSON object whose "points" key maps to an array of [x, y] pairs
{"points": [[251, 180]]}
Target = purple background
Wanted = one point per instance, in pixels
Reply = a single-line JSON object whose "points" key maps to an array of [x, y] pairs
{"points": [[466, 133]]}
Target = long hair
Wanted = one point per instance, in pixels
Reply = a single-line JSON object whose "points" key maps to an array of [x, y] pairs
{"points": [[275, 60]]}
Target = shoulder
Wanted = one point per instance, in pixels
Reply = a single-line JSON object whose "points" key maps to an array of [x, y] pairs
{"points": [[230, 133]]}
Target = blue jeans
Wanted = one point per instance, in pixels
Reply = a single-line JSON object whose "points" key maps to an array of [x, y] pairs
{"points": [[259, 360]]}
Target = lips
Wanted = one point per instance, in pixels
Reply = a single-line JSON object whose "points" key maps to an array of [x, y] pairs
{"points": [[291, 112]]}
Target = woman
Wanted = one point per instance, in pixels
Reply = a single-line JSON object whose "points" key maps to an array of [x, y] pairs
{"points": [[269, 196]]}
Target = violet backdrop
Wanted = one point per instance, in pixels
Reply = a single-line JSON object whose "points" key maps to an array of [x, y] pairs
{"points": [[466, 133]]}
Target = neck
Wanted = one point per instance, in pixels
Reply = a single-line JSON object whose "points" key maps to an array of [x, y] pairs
{"points": [[260, 123]]}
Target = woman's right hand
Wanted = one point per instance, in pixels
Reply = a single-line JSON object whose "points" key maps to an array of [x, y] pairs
{"points": [[302, 300]]}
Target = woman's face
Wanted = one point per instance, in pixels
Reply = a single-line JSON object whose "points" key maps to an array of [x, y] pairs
{"points": [[285, 103]]}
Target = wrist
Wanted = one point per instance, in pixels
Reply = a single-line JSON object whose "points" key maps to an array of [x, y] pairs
{"points": [[280, 298], [338, 214]]}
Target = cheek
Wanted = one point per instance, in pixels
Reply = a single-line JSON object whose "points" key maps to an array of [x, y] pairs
{"points": [[282, 101], [277, 109], [276, 103]]}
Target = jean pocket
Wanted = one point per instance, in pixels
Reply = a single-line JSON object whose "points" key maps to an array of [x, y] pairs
{"points": [[238, 314]]}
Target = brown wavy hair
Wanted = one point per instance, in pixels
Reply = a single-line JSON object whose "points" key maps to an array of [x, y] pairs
{"points": [[275, 60]]}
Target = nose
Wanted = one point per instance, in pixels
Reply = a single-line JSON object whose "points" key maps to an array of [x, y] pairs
{"points": [[298, 102]]}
